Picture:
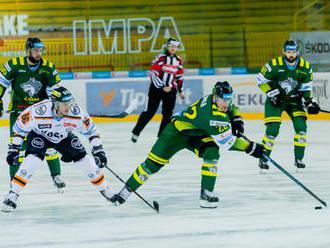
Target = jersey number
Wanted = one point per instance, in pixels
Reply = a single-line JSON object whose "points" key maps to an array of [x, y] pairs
{"points": [[52, 134], [193, 114]]}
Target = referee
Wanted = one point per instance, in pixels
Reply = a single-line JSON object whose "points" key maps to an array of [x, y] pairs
{"points": [[166, 75]]}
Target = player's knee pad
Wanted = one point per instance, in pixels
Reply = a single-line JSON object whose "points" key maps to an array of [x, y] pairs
{"points": [[210, 168], [88, 166], [272, 129], [300, 125], [209, 151], [51, 154], [142, 173], [151, 166]]}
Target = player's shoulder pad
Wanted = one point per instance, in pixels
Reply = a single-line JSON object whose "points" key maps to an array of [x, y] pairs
{"points": [[17, 61], [304, 63], [42, 108], [277, 61], [48, 64]]}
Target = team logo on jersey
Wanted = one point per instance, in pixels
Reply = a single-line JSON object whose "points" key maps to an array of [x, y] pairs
{"points": [[23, 173], [26, 117], [31, 87], [38, 143], [288, 85], [75, 143], [75, 109], [41, 109]]}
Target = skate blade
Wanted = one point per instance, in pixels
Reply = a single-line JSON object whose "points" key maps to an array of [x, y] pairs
{"points": [[263, 171], [300, 170], [60, 190], [7, 209]]}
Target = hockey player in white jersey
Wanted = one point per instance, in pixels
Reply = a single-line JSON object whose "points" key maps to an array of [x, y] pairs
{"points": [[49, 124]]}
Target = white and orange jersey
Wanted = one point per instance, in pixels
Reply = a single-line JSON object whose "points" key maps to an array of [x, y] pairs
{"points": [[40, 119]]}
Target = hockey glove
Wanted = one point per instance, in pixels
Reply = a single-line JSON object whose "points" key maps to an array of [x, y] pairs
{"points": [[274, 97], [312, 106], [13, 154], [255, 150], [237, 126], [99, 156]]}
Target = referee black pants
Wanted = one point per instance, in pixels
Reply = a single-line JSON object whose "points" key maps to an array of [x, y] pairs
{"points": [[155, 97]]}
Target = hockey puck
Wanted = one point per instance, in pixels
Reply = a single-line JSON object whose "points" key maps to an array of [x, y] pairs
{"points": [[318, 207]]}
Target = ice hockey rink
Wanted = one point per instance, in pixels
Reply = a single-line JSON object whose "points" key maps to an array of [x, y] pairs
{"points": [[256, 210]]}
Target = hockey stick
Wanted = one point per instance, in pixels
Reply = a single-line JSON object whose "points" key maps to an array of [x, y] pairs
{"points": [[132, 106], [154, 205], [285, 172], [325, 111]]}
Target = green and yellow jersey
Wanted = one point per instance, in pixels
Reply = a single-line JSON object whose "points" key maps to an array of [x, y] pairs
{"points": [[293, 82], [29, 85], [203, 118]]}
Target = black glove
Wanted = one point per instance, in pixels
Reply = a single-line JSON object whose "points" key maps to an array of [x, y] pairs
{"points": [[256, 150], [237, 126], [99, 156], [274, 97], [312, 107], [1, 108], [13, 154]]}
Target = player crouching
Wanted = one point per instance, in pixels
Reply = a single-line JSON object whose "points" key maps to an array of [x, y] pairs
{"points": [[49, 124], [207, 125]]}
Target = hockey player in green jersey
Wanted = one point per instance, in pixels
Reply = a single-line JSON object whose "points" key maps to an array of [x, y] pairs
{"points": [[211, 122], [31, 79], [287, 81]]}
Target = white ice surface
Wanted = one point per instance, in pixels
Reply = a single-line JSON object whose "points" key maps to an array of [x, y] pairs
{"points": [[255, 211]]}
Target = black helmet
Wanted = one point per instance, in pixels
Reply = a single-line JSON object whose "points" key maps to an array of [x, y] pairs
{"points": [[33, 43], [290, 45], [223, 90], [61, 94], [172, 42]]}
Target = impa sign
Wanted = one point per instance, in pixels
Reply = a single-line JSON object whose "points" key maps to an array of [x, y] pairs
{"points": [[116, 35]]}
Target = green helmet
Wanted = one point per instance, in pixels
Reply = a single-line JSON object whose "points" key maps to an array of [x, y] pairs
{"points": [[33, 43], [60, 95], [290, 45], [223, 90]]}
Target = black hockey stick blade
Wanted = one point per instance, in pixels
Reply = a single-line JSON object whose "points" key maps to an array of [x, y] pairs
{"points": [[156, 206], [325, 111], [132, 106]]}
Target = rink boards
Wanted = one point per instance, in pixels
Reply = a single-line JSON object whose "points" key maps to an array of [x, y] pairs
{"points": [[112, 96]]}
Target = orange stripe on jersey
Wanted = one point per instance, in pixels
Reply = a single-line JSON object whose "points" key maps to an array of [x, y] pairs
{"points": [[98, 180], [14, 180], [21, 179]]}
